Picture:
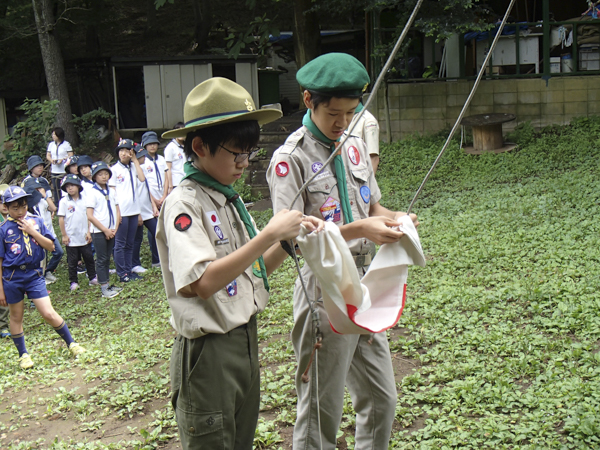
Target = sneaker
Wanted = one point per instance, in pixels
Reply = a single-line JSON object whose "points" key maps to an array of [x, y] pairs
{"points": [[136, 277], [4, 334], [25, 361], [116, 288], [74, 286], [156, 265], [94, 281], [112, 271], [107, 292], [80, 269], [125, 279], [138, 269], [50, 278], [76, 349]]}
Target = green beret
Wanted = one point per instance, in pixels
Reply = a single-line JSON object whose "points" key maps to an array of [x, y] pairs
{"points": [[335, 74]]}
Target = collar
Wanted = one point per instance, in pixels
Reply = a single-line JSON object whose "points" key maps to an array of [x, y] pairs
{"points": [[128, 167], [308, 133], [216, 196]]}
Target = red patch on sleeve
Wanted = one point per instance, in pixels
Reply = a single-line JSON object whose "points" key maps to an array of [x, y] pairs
{"points": [[282, 169], [183, 222]]}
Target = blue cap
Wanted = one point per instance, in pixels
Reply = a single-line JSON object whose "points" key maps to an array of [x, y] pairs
{"points": [[149, 137], [84, 160], [71, 179], [31, 184], [98, 166], [13, 193], [34, 161], [72, 160], [125, 143], [142, 153]]}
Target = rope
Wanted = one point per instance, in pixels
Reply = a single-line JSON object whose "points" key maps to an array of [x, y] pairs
{"points": [[466, 105]]}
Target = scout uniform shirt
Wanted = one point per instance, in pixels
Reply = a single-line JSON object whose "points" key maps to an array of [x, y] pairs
{"points": [[86, 184], [155, 171], [97, 199], [58, 152], [196, 226], [367, 129], [302, 156], [16, 246], [125, 181], [176, 156], [76, 222]]}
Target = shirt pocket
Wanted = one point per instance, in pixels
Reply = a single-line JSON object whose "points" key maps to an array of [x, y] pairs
{"points": [[361, 191], [238, 289], [324, 199]]}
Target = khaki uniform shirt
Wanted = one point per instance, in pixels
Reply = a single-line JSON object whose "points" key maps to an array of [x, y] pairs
{"points": [[300, 157], [196, 226], [367, 128]]}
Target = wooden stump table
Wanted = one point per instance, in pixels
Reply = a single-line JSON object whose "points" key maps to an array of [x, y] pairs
{"points": [[487, 133]]}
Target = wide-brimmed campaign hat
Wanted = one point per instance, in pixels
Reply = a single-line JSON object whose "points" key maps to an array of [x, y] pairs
{"points": [[218, 101]]}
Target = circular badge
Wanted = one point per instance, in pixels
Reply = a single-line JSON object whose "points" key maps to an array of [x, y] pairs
{"points": [[316, 166], [282, 169], [219, 232], [183, 222], [354, 155], [365, 193]]}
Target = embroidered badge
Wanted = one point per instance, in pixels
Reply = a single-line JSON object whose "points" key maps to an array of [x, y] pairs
{"points": [[120, 178], [256, 269], [219, 232], [232, 288], [354, 155], [180, 155], [9, 232], [316, 166], [282, 169], [365, 193], [331, 210], [183, 222], [71, 208], [222, 241], [15, 248], [213, 218], [149, 169], [248, 104], [323, 174]]}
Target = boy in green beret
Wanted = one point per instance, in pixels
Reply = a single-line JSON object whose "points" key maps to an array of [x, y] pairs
{"points": [[347, 194], [215, 267]]}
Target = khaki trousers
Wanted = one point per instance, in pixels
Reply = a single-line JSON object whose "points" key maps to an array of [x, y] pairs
{"points": [[216, 389], [343, 360]]}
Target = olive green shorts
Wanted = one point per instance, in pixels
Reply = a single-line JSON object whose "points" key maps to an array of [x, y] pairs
{"points": [[216, 389]]}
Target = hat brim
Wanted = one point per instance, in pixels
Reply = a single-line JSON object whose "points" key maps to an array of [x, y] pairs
{"points": [[262, 116], [152, 141]]}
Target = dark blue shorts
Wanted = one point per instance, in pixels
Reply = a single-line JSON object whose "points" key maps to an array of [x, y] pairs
{"points": [[19, 282]]}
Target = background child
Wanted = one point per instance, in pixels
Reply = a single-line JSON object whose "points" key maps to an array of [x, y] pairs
{"points": [[126, 175], [35, 165], [42, 208], [74, 226], [175, 158], [57, 153], [23, 239], [155, 169], [84, 169], [104, 215], [4, 333], [149, 213]]}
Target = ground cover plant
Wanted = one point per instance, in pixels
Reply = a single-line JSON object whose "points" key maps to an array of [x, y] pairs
{"points": [[498, 346]]}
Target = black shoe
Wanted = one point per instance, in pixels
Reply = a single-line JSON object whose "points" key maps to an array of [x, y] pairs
{"points": [[135, 277], [80, 269], [125, 279]]}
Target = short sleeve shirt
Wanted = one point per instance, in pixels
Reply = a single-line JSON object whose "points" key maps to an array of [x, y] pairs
{"points": [[46, 216], [367, 129], [58, 152], [98, 202], [125, 180], [143, 199], [197, 226], [176, 156], [76, 223], [302, 156], [14, 245], [86, 184], [155, 171]]}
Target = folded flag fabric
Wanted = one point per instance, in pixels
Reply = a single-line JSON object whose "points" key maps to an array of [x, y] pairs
{"points": [[376, 302]]}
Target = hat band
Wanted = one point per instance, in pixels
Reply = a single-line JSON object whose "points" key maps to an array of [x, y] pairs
{"points": [[201, 120]]}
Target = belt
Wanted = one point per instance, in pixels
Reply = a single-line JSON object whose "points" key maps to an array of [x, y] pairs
{"points": [[364, 260], [23, 267]]}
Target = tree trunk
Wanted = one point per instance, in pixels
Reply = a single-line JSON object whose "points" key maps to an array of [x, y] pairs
{"points": [[307, 33], [54, 66], [151, 24], [203, 17]]}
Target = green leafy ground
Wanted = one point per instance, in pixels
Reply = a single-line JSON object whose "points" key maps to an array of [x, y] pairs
{"points": [[498, 346]]}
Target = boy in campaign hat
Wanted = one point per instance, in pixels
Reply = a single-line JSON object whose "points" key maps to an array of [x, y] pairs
{"points": [[215, 269], [347, 194], [24, 238]]}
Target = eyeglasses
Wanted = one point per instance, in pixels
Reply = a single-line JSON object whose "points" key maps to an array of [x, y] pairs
{"points": [[241, 157]]}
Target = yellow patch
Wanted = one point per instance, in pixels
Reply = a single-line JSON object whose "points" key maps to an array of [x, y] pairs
{"points": [[256, 265]]}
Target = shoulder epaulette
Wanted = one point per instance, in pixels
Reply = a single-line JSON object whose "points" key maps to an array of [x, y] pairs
{"points": [[292, 142]]}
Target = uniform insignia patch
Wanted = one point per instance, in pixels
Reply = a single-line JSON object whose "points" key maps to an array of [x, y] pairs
{"points": [[15, 248], [232, 288], [71, 208], [222, 241], [219, 232], [9, 232], [213, 218], [331, 210], [365, 193], [120, 178], [256, 269], [354, 155], [282, 169], [316, 166], [183, 222]]}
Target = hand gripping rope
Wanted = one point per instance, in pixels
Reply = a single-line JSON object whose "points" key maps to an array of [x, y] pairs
{"points": [[314, 311]]}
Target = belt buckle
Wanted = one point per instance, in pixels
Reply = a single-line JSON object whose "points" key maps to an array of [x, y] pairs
{"points": [[23, 267]]}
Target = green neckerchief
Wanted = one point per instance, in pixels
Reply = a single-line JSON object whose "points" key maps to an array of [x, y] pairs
{"points": [[340, 171], [359, 108], [198, 176]]}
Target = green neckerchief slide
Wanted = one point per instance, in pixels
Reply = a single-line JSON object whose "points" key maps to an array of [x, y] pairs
{"points": [[340, 171], [198, 176]]}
